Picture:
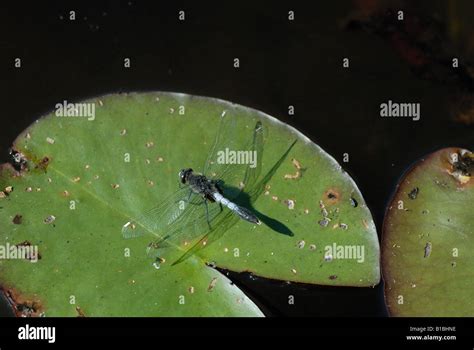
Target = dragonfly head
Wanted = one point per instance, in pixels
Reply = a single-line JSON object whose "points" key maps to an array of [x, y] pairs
{"points": [[184, 174]]}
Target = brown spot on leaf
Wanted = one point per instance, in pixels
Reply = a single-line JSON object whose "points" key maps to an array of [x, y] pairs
{"points": [[43, 164], [298, 172], [427, 250], [365, 224], [413, 193], [462, 166], [293, 176], [79, 311], [22, 306], [332, 196], [17, 219], [212, 284]]}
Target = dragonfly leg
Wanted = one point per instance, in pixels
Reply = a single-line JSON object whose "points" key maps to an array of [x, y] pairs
{"points": [[207, 214], [188, 200]]}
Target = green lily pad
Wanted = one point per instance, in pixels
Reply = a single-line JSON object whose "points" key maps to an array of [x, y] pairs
{"points": [[84, 179], [428, 238]]}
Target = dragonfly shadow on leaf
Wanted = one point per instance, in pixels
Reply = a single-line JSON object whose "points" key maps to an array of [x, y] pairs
{"points": [[243, 199]]}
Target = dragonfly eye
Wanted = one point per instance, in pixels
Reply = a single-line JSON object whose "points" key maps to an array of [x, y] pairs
{"points": [[184, 173]]}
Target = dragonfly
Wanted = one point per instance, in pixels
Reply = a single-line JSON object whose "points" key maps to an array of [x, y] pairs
{"points": [[204, 206]]}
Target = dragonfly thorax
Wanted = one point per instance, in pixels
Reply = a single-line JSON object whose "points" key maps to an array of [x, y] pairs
{"points": [[199, 183]]}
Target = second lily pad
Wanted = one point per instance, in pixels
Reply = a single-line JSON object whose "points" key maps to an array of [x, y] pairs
{"points": [[428, 238]]}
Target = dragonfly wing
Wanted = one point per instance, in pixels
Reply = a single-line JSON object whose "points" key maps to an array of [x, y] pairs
{"points": [[236, 161], [174, 209], [252, 173], [224, 223], [197, 223]]}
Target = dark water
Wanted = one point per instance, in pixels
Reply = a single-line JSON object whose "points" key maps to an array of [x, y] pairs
{"points": [[282, 63], [5, 309]]}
